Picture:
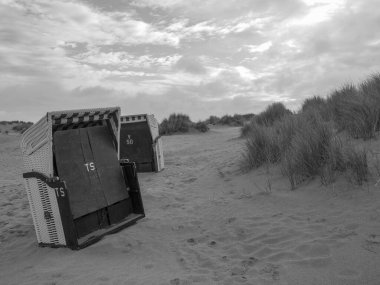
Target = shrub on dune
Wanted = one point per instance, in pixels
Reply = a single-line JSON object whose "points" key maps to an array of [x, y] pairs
{"points": [[357, 110], [305, 146], [246, 129], [337, 104], [175, 123], [213, 120], [180, 123], [201, 126], [272, 113], [307, 143], [317, 104], [22, 127], [371, 90], [235, 120]]}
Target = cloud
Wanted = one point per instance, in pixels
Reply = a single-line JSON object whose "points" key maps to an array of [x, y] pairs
{"points": [[214, 9], [124, 60], [259, 48], [44, 36], [201, 54], [191, 65]]}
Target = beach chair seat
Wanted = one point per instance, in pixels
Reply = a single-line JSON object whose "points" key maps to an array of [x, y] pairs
{"points": [[78, 190], [141, 143]]}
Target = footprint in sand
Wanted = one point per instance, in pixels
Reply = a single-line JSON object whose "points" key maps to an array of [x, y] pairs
{"points": [[191, 241], [313, 250], [342, 232], [189, 180], [231, 220], [283, 256], [349, 274], [243, 268], [177, 281], [270, 271], [313, 262], [57, 275], [196, 223], [372, 243]]}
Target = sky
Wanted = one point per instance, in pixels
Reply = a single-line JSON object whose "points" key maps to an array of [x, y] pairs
{"points": [[198, 57]]}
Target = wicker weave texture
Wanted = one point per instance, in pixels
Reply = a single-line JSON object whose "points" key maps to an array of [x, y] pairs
{"points": [[160, 155], [153, 126]]}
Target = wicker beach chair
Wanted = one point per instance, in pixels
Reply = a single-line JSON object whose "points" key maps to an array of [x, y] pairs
{"points": [[77, 188], [141, 143]]}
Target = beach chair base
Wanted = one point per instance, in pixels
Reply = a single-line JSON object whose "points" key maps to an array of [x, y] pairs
{"points": [[90, 228]]}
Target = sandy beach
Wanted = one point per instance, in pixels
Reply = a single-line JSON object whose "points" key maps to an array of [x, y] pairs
{"points": [[207, 223]]}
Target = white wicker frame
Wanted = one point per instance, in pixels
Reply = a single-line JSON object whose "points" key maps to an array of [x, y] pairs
{"points": [[37, 151], [157, 140]]}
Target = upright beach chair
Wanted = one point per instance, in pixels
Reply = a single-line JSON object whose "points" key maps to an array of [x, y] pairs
{"points": [[141, 143], [78, 190]]}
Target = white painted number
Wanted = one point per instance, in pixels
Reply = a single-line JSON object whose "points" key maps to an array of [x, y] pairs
{"points": [[59, 191], [129, 140], [90, 166]]}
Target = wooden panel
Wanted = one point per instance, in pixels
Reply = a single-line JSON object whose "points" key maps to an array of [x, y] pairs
{"points": [[86, 224], [107, 165], [136, 142], [87, 161], [71, 156], [145, 167], [91, 166], [91, 222], [119, 211]]}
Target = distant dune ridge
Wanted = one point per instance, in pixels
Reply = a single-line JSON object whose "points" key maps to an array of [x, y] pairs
{"points": [[181, 123], [14, 126], [221, 212]]}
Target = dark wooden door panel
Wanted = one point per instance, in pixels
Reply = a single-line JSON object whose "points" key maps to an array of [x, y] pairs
{"points": [[136, 142], [86, 159], [107, 165], [70, 160]]}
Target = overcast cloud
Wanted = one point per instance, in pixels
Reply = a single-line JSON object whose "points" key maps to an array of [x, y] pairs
{"points": [[197, 57]]}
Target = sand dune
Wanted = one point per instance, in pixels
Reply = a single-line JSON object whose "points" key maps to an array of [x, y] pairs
{"points": [[207, 223]]}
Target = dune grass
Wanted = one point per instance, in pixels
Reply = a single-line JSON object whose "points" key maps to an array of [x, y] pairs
{"points": [[310, 143], [356, 110], [305, 146]]}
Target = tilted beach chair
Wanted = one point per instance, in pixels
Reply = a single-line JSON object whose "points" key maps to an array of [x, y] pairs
{"points": [[141, 143], [77, 188]]}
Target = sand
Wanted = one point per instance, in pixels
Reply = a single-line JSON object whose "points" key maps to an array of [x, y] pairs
{"points": [[207, 223]]}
